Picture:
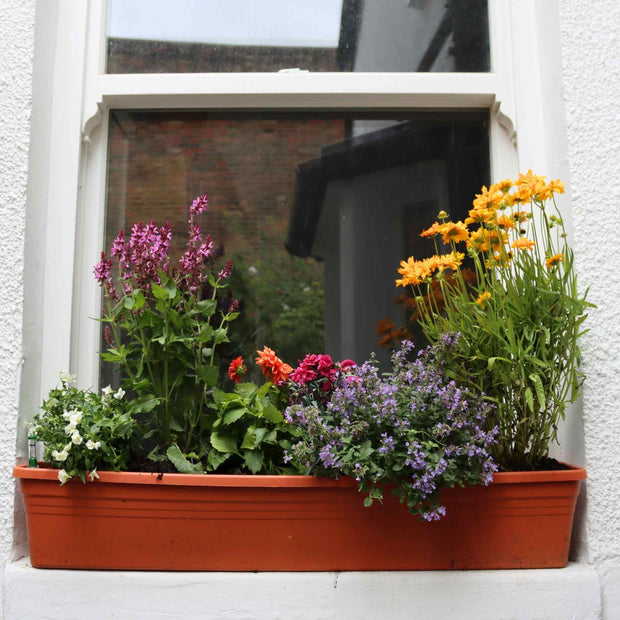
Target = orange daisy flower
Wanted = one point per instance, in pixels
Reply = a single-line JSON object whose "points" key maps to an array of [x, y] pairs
{"points": [[554, 260], [523, 244], [453, 231], [432, 231], [483, 298], [272, 366]]}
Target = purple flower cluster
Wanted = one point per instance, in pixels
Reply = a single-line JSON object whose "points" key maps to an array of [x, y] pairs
{"points": [[414, 430], [141, 258]]}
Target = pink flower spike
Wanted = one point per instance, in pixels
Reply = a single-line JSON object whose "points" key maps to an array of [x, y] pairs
{"points": [[198, 206], [102, 269], [225, 273]]}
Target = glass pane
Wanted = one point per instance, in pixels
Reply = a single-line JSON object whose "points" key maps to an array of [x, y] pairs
{"points": [[189, 36], [316, 210]]}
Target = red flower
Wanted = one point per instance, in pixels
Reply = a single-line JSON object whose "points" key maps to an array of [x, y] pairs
{"points": [[272, 366], [347, 365], [237, 369]]}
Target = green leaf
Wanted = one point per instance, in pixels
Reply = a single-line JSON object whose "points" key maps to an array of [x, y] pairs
{"points": [[171, 289], [178, 460], [263, 390], [208, 374], [365, 449], [215, 459], [158, 291], [155, 456], [529, 399], [139, 300], [245, 390], [271, 413], [368, 501], [254, 460], [220, 335], [207, 307], [218, 396], [231, 317], [143, 404], [205, 333], [540, 392], [224, 443], [234, 414], [175, 426], [259, 435], [249, 441]]}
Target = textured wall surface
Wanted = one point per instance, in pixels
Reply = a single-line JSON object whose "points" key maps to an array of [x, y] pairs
{"points": [[16, 53], [590, 39]]}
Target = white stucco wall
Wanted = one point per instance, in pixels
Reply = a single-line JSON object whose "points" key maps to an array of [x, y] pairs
{"points": [[591, 68], [590, 46], [590, 35], [16, 61]]}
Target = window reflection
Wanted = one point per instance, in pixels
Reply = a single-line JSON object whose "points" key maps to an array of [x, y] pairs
{"points": [[316, 210], [315, 35]]}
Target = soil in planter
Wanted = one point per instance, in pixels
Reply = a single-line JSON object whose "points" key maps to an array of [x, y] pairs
{"points": [[155, 467], [544, 464]]}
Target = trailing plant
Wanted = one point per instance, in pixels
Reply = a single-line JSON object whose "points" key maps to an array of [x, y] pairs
{"points": [[520, 316], [413, 429], [84, 431]]}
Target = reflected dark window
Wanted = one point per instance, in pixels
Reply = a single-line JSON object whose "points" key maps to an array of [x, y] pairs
{"points": [[316, 210], [319, 35]]}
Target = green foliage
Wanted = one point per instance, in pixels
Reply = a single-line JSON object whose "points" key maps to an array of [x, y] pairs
{"points": [[248, 434], [520, 321], [283, 302], [168, 354], [84, 431]]}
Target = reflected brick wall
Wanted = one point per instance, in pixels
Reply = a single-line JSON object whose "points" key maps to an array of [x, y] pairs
{"points": [[158, 162]]}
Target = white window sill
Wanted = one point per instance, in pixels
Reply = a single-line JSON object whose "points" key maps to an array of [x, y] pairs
{"points": [[573, 592]]}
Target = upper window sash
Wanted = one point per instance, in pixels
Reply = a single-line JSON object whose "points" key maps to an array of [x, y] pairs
{"points": [[77, 298], [301, 89]]}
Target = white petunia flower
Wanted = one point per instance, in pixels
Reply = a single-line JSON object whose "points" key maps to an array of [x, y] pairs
{"points": [[93, 474], [93, 445], [74, 416], [76, 438], [107, 390], [63, 476], [70, 428], [119, 394], [52, 402], [60, 456], [66, 378]]}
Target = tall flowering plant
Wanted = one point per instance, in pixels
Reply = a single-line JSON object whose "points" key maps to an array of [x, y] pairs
{"points": [[164, 322], [519, 316], [413, 429]]}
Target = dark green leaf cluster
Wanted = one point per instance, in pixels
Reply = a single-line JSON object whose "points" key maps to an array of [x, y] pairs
{"points": [[165, 343]]}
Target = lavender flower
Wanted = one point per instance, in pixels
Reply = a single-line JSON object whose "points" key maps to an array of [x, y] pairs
{"points": [[413, 429]]}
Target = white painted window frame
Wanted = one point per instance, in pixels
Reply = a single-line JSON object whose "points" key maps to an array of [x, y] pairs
{"points": [[83, 95]]}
